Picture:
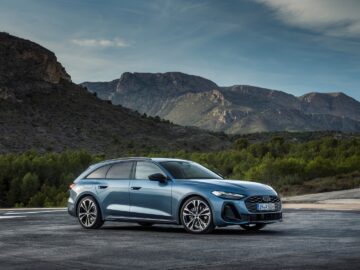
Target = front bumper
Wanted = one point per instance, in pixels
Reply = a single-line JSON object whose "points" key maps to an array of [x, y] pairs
{"points": [[237, 212]]}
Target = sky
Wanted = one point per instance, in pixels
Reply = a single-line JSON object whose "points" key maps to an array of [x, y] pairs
{"points": [[289, 45]]}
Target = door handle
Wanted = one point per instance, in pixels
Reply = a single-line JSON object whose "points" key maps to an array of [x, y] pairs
{"points": [[135, 188], [102, 187]]}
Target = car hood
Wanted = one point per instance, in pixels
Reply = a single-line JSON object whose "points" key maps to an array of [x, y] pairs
{"points": [[229, 185]]}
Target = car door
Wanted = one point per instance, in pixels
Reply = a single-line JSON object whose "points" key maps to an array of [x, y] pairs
{"points": [[113, 191], [150, 199]]}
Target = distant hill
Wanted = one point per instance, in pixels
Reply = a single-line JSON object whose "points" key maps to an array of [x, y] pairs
{"points": [[41, 109], [337, 104], [194, 101]]}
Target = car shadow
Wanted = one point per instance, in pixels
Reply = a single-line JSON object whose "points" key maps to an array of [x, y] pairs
{"points": [[167, 229], [181, 230]]}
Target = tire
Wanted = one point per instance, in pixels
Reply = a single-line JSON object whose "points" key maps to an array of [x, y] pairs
{"points": [[252, 227], [145, 224], [88, 213], [196, 216]]}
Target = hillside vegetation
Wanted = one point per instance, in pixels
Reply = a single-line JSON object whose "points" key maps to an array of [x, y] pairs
{"points": [[33, 179]]}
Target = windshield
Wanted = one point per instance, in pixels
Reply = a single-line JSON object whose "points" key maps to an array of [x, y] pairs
{"points": [[188, 170]]}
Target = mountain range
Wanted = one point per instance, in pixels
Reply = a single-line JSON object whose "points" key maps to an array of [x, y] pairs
{"points": [[195, 101], [42, 109]]}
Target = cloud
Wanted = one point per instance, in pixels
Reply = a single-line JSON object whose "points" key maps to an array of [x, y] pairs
{"points": [[119, 43], [339, 18]]}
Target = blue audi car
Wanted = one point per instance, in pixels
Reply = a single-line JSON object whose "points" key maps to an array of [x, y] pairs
{"points": [[169, 191]]}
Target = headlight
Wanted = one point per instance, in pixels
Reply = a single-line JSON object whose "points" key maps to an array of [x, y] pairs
{"points": [[228, 195]]}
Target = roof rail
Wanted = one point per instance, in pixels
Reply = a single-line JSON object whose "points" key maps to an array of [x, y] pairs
{"points": [[124, 158]]}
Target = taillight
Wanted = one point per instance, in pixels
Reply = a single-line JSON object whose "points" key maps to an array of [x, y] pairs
{"points": [[72, 186]]}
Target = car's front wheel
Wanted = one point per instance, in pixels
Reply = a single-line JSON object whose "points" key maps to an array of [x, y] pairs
{"points": [[196, 216], [253, 227], [88, 213]]}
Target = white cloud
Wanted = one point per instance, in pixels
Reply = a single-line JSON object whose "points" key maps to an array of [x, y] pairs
{"points": [[332, 17], [100, 43]]}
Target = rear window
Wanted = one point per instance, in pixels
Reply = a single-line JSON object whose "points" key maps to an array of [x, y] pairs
{"points": [[99, 173], [120, 170]]}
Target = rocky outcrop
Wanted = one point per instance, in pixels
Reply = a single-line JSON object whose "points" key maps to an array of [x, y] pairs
{"points": [[23, 60]]}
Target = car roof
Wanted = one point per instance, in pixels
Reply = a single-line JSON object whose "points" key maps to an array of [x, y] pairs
{"points": [[109, 161], [122, 159], [168, 159]]}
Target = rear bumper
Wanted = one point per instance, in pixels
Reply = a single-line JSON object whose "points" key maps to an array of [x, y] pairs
{"points": [[71, 208]]}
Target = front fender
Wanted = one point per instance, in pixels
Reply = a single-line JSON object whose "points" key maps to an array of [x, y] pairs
{"points": [[214, 202]]}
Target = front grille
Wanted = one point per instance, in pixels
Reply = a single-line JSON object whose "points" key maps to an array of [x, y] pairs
{"points": [[251, 203]]}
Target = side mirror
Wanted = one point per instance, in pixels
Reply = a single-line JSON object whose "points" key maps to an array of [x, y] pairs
{"points": [[158, 177]]}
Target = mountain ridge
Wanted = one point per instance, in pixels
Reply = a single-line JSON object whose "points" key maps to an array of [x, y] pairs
{"points": [[42, 109], [233, 109]]}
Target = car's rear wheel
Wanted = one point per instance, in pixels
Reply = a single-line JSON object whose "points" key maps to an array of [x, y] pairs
{"points": [[196, 215], [88, 213], [145, 224], [253, 227]]}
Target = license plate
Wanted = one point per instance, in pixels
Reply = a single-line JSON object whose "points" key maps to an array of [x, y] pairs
{"points": [[265, 206]]}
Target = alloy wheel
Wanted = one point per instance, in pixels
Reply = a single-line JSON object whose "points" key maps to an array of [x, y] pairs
{"points": [[196, 216], [88, 213]]}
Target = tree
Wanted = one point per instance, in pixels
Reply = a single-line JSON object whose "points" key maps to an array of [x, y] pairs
{"points": [[241, 144], [29, 186]]}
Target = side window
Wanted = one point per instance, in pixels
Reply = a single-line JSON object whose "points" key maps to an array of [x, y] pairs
{"points": [[144, 169], [121, 170], [99, 173]]}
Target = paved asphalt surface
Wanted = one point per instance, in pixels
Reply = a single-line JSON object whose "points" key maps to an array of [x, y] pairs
{"points": [[53, 240]]}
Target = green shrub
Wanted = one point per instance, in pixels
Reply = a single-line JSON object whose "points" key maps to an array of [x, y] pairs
{"points": [[33, 179]]}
